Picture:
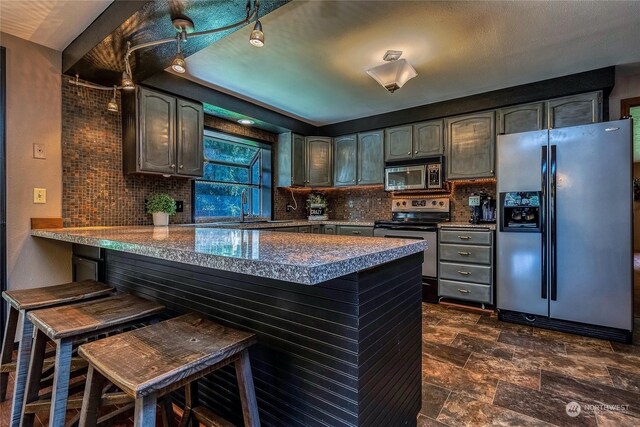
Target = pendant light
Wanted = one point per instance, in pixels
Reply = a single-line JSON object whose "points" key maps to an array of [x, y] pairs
{"points": [[257, 36], [113, 104]]}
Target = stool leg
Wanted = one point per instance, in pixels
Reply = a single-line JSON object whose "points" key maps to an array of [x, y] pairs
{"points": [[31, 386], [145, 412], [91, 398], [61, 376], [247, 392], [7, 349], [168, 417]]}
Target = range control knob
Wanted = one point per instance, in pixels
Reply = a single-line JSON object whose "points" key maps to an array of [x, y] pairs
{"points": [[397, 203], [441, 203], [433, 203], [404, 203]]}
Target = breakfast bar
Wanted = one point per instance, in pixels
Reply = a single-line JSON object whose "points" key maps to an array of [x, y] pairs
{"points": [[337, 318]]}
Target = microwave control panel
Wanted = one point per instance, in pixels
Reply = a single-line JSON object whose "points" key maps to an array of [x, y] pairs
{"points": [[434, 175]]}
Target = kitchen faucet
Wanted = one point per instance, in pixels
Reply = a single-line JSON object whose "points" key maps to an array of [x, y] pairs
{"points": [[243, 201]]}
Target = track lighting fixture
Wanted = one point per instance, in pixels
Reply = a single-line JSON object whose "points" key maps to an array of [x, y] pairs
{"points": [[185, 30], [113, 104], [178, 64]]}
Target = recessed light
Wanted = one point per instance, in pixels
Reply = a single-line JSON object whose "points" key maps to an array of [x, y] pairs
{"points": [[246, 122]]}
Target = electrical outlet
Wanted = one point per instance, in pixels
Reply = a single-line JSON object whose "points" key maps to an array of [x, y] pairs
{"points": [[39, 195], [289, 208], [39, 151], [179, 206]]}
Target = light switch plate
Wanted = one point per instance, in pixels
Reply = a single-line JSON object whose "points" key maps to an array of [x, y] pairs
{"points": [[39, 151], [39, 195]]}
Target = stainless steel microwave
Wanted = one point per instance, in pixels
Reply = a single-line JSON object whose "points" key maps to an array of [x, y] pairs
{"points": [[401, 178], [414, 177]]}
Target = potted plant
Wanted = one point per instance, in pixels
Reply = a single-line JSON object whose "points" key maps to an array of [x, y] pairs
{"points": [[161, 206], [317, 206]]}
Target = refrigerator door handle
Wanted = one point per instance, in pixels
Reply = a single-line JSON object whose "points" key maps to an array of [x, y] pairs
{"points": [[543, 202], [552, 222]]}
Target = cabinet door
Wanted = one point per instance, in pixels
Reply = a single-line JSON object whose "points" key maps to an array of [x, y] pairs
{"points": [[319, 161], [397, 144], [370, 158], [471, 142], [157, 132], [575, 110], [190, 134], [428, 139], [521, 118], [345, 149], [298, 160]]}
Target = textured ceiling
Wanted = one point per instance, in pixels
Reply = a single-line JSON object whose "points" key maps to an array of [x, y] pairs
{"points": [[316, 52], [51, 23]]}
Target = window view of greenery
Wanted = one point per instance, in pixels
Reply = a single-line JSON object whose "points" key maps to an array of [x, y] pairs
{"points": [[231, 167]]}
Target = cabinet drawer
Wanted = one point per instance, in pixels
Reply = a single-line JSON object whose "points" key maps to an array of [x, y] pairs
{"points": [[346, 230], [329, 229], [465, 253], [472, 237], [466, 272], [465, 291]]}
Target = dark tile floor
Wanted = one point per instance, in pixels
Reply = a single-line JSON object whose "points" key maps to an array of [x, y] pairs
{"points": [[480, 371]]}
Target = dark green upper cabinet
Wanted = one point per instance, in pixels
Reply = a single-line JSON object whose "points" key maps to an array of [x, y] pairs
{"points": [[345, 163], [304, 161], [398, 143], [292, 160], [319, 161], [574, 110], [157, 144], [190, 133], [521, 118], [471, 141], [162, 134], [371, 158], [428, 139]]}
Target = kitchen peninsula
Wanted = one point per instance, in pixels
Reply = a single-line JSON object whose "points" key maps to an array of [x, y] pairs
{"points": [[338, 318]]}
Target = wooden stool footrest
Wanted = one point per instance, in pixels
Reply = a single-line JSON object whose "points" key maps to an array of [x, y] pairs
{"points": [[208, 418]]}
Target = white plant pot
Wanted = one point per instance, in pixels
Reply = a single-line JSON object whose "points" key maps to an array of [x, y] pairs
{"points": [[160, 219]]}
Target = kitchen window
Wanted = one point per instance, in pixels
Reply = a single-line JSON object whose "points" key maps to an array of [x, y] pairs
{"points": [[233, 165]]}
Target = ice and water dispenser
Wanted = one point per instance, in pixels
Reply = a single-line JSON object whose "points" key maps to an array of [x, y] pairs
{"points": [[520, 211]]}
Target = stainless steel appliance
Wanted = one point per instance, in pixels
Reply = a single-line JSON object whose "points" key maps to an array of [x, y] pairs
{"points": [[400, 178], [483, 208], [418, 219], [426, 175], [564, 238]]}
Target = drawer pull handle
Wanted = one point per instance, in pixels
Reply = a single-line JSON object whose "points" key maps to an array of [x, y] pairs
{"points": [[356, 232], [464, 237], [464, 253], [464, 291], [464, 273]]}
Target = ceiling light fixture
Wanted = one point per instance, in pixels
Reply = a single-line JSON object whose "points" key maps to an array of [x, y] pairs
{"points": [[185, 29], [394, 73], [113, 104], [246, 122]]}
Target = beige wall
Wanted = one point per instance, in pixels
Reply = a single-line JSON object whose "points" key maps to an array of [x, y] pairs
{"points": [[33, 115]]}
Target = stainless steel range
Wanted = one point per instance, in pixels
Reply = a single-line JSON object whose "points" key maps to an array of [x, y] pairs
{"points": [[418, 219]]}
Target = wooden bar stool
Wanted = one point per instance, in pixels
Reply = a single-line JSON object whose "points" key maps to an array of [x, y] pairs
{"points": [[148, 363], [21, 301], [64, 325]]}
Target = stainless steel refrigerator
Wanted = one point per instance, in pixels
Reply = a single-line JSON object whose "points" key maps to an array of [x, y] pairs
{"points": [[565, 230]]}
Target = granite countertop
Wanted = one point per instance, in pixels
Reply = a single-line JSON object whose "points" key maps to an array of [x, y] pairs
{"points": [[280, 223], [300, 258], [466, 225]]}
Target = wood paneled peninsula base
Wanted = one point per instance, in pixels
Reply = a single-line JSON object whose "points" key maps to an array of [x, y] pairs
{"points": [[338, 319]]}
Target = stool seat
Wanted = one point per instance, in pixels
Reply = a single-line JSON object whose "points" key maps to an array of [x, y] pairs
{"points": [[90, 316], [149, 363], [149, 359], [31, 299]]}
